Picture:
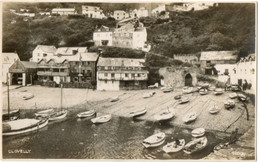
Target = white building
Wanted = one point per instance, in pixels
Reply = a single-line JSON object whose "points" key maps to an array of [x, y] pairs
{"points": [[156, 11], [121, 73], [64, 11], [120, 15], [7, 60], [141, 12], [93, 12], [45, 13], [43, 51], [245, 70], [103, 36]]}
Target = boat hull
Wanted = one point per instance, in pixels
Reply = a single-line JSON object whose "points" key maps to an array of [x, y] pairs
{"points": [[58, 116], [169, 148], [86, 114], [32, 128], [13, 115], [154, 140], [195, 142], [138, 113], [44, 113], [101, 119]]}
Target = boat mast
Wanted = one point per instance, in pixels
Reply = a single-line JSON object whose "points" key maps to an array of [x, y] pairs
{"points": [[8, 96], [61, 96]]}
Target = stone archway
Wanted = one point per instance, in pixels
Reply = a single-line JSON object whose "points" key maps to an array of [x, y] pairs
{"points": [[188, 80]]}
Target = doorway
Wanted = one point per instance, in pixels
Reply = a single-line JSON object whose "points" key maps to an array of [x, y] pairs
{"points": [[188, 80]]}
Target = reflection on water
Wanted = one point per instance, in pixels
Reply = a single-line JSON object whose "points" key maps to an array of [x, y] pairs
{"points": [[120, 138]]}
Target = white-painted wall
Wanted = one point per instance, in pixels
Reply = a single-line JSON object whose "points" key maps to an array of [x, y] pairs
{"points": [[108, 85], [99, 36]]}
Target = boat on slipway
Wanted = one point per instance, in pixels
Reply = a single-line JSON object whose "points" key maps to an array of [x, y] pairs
{"points": [[86, 114], [154, 140], [195, 145], [101, 119], [166, 115], [174, 147], [189, 117], [45, 113], [138, 112], [198, 132]]}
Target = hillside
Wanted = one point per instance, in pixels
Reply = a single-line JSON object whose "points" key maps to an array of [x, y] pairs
{"points": [[227, 27]]}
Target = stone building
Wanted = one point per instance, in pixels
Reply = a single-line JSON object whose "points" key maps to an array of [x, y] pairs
{"points": [[190, 58], [103, 36], [93, 12], [7, 60], [64, 11], [178, 76]]}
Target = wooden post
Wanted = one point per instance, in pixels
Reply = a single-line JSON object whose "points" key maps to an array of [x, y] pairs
{"points": [[8, 96]]}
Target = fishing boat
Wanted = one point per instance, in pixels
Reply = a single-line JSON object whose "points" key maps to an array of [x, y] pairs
{"points": [[232, 95], [167, 115], [177, 97], [189, 117], [241, 97], [154, 140], [198, 132], [10, 115], [28, 96], [139, 112], [229, 104], [212, 88], [183, 100], [203, 91], [86, 114], [213, 109], [167, 89], [44, 113], [114, 99], [187, 90], [195, 145], [60, 114], [174, 147], [101, 119], [22, 126], [218, 91]]}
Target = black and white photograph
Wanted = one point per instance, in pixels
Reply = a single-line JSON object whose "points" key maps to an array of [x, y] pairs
{"points": [[122, 80]]}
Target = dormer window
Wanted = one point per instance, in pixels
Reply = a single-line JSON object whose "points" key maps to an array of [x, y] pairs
{"points": [[44, 55]]}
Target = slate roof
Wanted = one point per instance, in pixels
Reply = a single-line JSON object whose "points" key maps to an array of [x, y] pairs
{"points": [[69, 50], [9, 58], [218, 55], [46, 48], [128, 62], [29, 65]]}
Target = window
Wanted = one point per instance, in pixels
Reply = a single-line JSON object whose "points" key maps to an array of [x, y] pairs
{"points": [[62, 70], [133, 75], [126, 75], [105, 74], [105, 81], [252, 71], [112, 75], [44, 55], [138, 75]]}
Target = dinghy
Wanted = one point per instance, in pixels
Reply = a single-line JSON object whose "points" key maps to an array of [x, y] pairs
{"points": [[229, 104], [154, 140], [28, 96], [189, 117], [114, 99], [173, 147], [101, 119], [138, 112], [241, 97], [183, 100], [167, 89], [198, 132], [58, 115], [187, 90], [177, 97], [203, 91], [13, 115], [45, 113], [86, 114], [214, 109], [232, 95], [218, 91], [167, 115], [195, 145], [22, 126]]}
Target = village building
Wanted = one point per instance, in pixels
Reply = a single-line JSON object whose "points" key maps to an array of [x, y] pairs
{"points": [[22, 72], [160, 8], [141, 12], [120, 15], [103, 36], [43, 51], [93, 12], [7, 60], [185, 7], [245, 70], [209, 59], [130, 33], [121, 73], [190, 58], [45, 13], [66, 64], [179, 76], [64, 11]]}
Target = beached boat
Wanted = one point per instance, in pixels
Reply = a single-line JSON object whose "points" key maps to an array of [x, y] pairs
{"points": [[167, 89], [177, 97], [154, 140], [241, 97], [187, 90], [229, 104], [214, 109], [148, 95], [139, 112], [218, 91], [86, 114], [22, 126], [198, 132], [232, 95], [45, 113], [212, 88], [13, 115], [167, 115], [189, 117], [114, 99], [195, 145], [101, 119], [203, 91], [28, 96], [174, 147], [183, 100]]}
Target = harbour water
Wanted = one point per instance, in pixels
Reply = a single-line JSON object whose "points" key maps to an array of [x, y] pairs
{"points": [[120, 138]]}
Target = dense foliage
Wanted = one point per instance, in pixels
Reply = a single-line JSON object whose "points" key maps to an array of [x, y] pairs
{"points": [[226, 27]]}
